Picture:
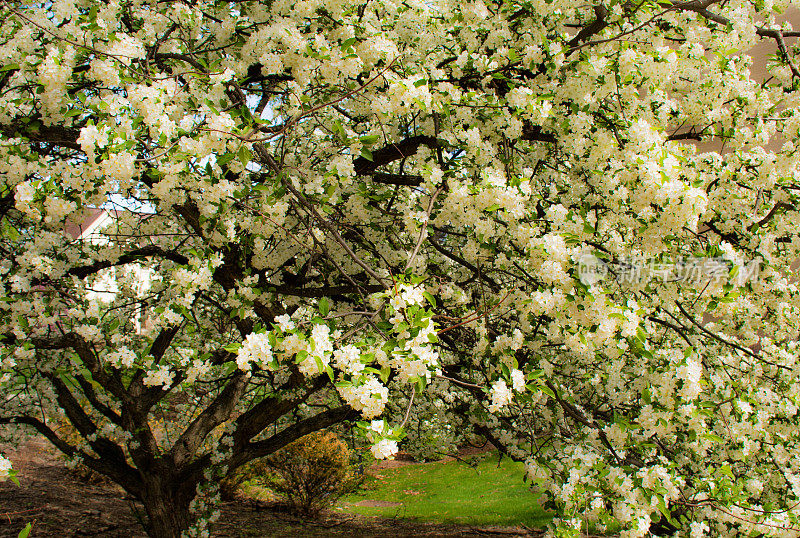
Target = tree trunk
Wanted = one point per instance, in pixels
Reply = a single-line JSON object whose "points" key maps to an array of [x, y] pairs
{"points": [[167, 505]]}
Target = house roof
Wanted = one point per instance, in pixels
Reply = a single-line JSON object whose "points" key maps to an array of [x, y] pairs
{"points": [[83, 222], [89, 221]]}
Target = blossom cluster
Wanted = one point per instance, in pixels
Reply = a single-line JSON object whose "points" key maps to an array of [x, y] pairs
{"points": [[388, 207]]}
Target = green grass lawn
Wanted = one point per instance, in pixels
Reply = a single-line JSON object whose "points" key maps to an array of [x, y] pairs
{"points": [[452, 492]]}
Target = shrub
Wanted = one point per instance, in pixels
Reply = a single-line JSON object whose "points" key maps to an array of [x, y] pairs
{"points": [[312, 473]]}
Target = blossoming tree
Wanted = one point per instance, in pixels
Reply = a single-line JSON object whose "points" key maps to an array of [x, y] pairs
{"points": [[571, 223]]}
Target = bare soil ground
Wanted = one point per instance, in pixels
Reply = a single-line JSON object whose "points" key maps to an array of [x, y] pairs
{"points": [[60, 503]]}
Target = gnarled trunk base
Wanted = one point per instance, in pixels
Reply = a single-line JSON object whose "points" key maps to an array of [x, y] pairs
{"points": [[166, 503]]}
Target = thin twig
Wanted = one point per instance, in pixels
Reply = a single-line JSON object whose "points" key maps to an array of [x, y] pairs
{"points": [[410, 403], [423, 228]]}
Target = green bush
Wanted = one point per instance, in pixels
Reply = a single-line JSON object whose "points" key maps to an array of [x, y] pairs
{"points": [[312, 473]]}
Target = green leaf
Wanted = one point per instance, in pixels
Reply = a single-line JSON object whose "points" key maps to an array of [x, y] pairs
{"points": [[338, 128], [222, 160], [662, 507], [233, 348], [420, 383], [367, 154], [536, 374], [369, 140], [26, 531], [244, 155], [547, 391], [713, 437], [10, 231], [324, 306], [726, 470]]}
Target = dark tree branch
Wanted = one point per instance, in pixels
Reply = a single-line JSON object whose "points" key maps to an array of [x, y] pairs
{"points": [[701, 8], [405, 180], [139, 254], [580, 418], [772, 213], [534, 133], [91, 395], [292, 433], [392, 152], [461, 261], [125, 476], [35, 131], [326, 291], [270, 409], [596, 26], [143, 398], [689, 135], [49, 434], [679, 330], [409, 146], [217, 412], [715, 336], [161, 56], [6, 202], [109, 381], [136, 255], [108, 451], [729, 237]]}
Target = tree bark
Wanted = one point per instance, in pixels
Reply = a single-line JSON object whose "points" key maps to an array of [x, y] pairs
{"points": [[166, 502]]}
